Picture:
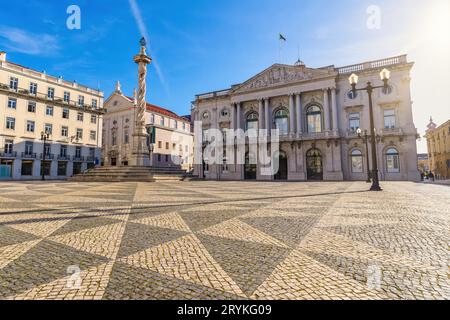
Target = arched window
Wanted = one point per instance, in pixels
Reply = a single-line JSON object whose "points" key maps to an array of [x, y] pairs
{"points": [[252, 121], [282, 121], [314, 118], [357, 161], [392, 161]]}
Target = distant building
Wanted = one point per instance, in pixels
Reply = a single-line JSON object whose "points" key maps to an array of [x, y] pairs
{"points": [[318, 116], [423, 162], [170, 135], [32, 102], [438, 141]]}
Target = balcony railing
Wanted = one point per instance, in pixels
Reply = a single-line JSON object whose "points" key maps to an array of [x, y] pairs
{"points": [[8, 154], [90, 159], [48, 156], [27, 155], [78, 158], [44, 98], [63, 157]]}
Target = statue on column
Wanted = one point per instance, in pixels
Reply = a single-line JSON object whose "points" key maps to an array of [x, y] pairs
{"points": [[141, 154]]}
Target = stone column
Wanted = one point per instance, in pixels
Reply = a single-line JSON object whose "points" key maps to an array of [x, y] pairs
{"points": [[326, 109], [299, 114], [261, 114], [291, 114], [238, 116], [335, 110], [141, 155], [233, 116], [267, 117]]}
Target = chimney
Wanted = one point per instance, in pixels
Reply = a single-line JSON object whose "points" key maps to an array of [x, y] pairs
{"points": [[2, 56]]}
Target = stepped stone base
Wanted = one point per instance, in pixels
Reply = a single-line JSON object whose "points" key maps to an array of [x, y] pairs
{"points": [[132, 174]]}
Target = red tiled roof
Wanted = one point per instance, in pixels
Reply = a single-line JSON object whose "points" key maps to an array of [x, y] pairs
{"points": [[162, 111]]}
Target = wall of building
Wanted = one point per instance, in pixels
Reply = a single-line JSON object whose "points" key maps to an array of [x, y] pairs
{"points": [[41, 118]]}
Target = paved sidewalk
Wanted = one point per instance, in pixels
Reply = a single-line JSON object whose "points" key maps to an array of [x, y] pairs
{"points": [[223, 240]]}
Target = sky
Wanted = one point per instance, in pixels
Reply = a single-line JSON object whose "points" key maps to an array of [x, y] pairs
{"points": [[201, 46]]}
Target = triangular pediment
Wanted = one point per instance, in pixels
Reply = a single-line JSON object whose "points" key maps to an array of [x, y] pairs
{"points": [[280, 74]]}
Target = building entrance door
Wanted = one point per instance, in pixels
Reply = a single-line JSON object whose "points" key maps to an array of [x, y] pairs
{"points": [[250, 168], [314, 165], [282, 174], [113, 162]]}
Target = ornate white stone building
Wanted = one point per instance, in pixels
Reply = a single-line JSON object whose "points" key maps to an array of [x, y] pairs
{"points": [[169, 135], [318, 118]]}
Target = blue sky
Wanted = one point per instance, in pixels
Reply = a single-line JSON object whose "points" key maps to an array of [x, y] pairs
{"points": [[200, 46]]}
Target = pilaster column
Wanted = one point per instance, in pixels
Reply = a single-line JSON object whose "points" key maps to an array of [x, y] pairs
{"points": [[326, 109], [335, 110], [238, 117], [267, 117], [299, 114], [261, 114], [291, 114], [233, 116]]}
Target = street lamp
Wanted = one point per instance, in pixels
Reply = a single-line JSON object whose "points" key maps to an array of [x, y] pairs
{"points": [[44, 137], [353, 79], [366, 140]]}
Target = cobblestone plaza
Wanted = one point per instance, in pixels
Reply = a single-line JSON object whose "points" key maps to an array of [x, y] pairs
{"points": [[223, 240]]}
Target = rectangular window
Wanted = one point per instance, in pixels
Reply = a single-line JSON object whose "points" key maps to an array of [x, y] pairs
{"points": [[51, 93], [80, 101], [49, 111], [10, 123], [160, 144], [167, 146], [63, 151], [32, 107], [33, 88], [66, 96], [48, 128], [79, 134], [92, 152], [30, 126], [175, 124], [13, 83], [162, 121], [152, 118], [64, 132], [12, 103], [126, 137], [78, 152], [93, 118], [29, 147], [354, 121], [9, 146], [114, 139], [184, 126], [167, 158], [174, 146], [80, 116], [92, 135], [159, 158], [389, 119], [46, 168], [66, 113], [94, 103]]}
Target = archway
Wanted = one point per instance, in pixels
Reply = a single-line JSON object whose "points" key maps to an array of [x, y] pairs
{"points": [[314, 165], [282, 174]]}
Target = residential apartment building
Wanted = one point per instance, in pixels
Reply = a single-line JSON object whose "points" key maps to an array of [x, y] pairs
{"points": [[318, 117], [438, 140], [33, 103], [170, 139]]}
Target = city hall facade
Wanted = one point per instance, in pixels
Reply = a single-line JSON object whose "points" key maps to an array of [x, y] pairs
{"points": [[318, 117]]}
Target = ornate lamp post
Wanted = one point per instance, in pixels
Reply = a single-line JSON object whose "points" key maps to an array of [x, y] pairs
{"points": [[44, 137], [384, 75], [366, 141]]}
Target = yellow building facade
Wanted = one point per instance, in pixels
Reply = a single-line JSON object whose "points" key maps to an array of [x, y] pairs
{"points": [[438, 140]]}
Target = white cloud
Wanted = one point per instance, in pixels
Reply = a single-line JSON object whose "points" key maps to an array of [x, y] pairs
{"points": [[143, 30], [18, 40]]}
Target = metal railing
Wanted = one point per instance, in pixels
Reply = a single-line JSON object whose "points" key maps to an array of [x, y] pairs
{"points": [[47, 156], [27, 155], [12, 154]]}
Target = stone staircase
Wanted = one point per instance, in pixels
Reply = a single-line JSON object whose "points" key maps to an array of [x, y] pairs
{"points": [[133, 174]]}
